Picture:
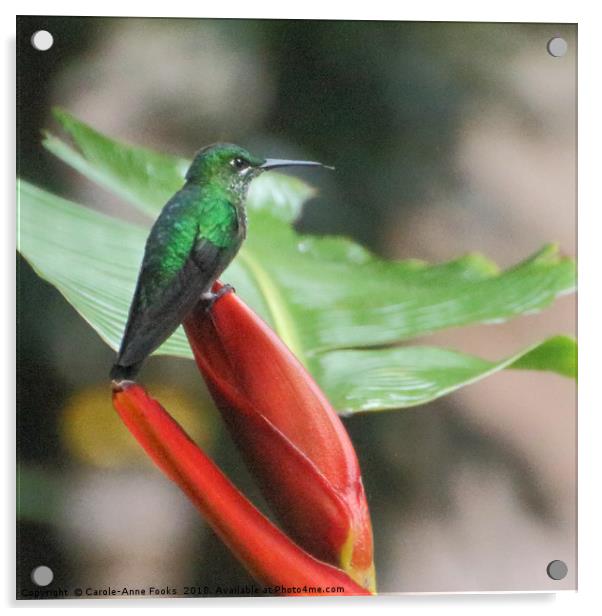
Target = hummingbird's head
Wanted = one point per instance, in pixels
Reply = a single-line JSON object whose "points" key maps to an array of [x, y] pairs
{"points": [[233, 167]]}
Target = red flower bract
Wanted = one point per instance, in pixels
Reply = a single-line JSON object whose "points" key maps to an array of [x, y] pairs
{"points": [[271, 557], [293, 441]]}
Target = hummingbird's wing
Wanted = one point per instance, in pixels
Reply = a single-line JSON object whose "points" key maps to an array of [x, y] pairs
{"points": [[161, 302]]}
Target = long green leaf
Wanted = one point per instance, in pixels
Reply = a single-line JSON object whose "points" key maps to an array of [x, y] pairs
{"points": [[148, 179], [336, 295], [408, 376]]}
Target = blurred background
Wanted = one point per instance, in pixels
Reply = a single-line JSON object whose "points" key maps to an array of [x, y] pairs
{"points": [[447, 138]]}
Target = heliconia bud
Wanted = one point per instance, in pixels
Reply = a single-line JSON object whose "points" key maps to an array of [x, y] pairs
{"points": [[268, 554], [292, 439]]}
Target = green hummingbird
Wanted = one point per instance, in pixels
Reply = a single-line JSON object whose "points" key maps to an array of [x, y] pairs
{"points": [[197, 234]]}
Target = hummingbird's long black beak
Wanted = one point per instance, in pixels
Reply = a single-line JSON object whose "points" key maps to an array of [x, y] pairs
{"points": [[274, 163]]}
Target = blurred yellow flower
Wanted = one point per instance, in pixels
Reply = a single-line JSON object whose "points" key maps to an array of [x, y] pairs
{"points": [[93, 434]]}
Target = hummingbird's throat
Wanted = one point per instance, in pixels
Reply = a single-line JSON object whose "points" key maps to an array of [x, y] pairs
{"points": [[239, 187]]}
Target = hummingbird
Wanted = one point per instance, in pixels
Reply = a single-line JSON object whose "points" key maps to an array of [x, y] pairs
{"points": [[195, 237]]}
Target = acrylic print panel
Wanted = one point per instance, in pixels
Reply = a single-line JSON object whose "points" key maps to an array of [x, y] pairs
{"points": [[392, 382]]}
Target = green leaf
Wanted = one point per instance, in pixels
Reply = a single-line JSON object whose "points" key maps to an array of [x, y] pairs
{"points": [[408, 376], [337, 295], [123, 170], [148, 179], [562, 348], [92, 259], [329, 299]]}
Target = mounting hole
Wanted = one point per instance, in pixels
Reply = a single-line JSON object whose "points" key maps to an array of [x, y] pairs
{"points": [[557, 569], [42, 575], [42, 40], [557, 47]]}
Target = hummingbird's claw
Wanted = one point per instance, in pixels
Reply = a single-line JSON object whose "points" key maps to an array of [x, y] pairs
{"points": [[213, 297], [118, 385]]}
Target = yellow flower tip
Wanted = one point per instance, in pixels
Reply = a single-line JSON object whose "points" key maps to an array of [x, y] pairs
{"points": [[354, 561]]}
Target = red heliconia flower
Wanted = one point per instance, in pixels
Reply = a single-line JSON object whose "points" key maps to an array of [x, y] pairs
{"points": [[271, 557], [292, 440]]}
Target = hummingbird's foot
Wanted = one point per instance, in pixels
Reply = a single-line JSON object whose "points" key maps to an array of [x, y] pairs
{"points": [[211, 298], [121, 384]]}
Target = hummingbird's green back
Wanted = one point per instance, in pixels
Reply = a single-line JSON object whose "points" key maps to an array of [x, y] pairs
{"points": [[196, 236], [208, 209]]}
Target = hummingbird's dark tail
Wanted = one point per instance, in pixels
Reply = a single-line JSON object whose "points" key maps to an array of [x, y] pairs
{"points": [[124, 373]]}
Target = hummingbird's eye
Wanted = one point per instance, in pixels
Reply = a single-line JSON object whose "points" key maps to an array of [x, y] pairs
{"points": [[239, 163]]}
